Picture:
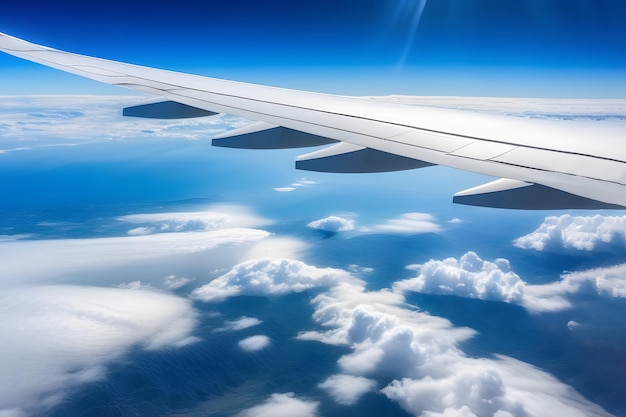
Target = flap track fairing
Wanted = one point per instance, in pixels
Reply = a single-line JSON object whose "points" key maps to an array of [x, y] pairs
{"points": [[262, 135], [165, 109], [349, 158]]}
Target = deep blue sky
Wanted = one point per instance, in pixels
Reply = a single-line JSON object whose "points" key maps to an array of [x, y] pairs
{"points": [[541, 48]]}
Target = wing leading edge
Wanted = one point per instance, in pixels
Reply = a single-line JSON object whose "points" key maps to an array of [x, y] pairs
{"points": [[543, 164]]}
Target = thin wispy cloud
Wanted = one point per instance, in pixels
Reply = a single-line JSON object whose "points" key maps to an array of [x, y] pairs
{"points": [[409, 223]]}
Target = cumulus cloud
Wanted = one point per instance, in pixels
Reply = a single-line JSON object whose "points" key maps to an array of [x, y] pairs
{"points": [[409, 223], [347, 389], [239, 324], [254, 343], [470, 277], [56, 337], [282, 405], [333, 224], [269, 277], [606, 282], [500, 387], [575, 232], [431, 375]]}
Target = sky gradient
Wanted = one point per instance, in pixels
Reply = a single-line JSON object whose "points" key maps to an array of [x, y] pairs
{"points": [[527, 48]]}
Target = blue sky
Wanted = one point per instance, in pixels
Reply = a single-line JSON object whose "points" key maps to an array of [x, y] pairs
{"points": [[539, 48]]}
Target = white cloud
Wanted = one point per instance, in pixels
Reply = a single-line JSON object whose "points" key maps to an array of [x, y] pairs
{"points": [[606, 282], [461, 412], [9, 238], [332, 224], [473, 277], [254, 343], [575, 232], [282, 405], [172, 282], [56, 337], [217, 217], [277, 247], [571, 325], [303, 182], [141, 231], [431, 374], [347, 389], [239, 324], [300, 183], [43, 259], [74, 119], [409, 223], [269, 277], [455, 220], [358, 269], [469, 277], [598, 110], [500, 387]]}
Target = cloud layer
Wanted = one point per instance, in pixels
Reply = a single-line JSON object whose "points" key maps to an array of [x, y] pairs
{"points": [[217, 217], [75, 119], [56, 337], [52, 258]]}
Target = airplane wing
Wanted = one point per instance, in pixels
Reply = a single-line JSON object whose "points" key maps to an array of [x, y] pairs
{"points": [[541, 164]]}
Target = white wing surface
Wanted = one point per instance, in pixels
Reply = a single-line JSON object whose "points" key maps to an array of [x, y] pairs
{"points": [[541, 164]]}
